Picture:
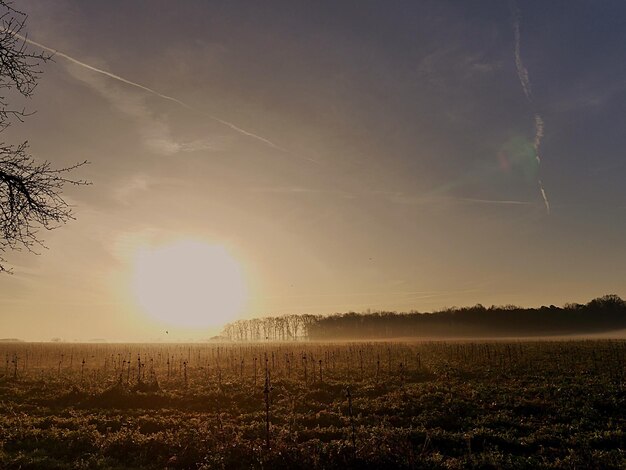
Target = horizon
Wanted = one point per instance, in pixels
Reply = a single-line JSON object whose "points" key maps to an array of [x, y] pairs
{"points": [[319, 158], [616, 332]]}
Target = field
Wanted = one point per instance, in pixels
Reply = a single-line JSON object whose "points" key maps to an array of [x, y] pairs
{"points": [[314, 405]]}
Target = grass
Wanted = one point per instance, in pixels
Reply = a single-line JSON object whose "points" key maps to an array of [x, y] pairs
{"points": [[450, 405]]}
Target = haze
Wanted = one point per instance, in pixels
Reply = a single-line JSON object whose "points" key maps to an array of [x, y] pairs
{"points": [[348, 156]]}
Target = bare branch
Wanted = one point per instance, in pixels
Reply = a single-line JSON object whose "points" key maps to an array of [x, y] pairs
{"points": [[30, 192]]}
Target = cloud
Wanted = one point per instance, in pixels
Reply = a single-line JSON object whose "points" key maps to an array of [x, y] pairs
{"points": [[137, 183], [154, 131], [594, 96], [299, 190], [446, 65]]}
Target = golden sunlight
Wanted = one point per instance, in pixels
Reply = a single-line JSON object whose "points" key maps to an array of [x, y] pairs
{"points": [[189, 284]]}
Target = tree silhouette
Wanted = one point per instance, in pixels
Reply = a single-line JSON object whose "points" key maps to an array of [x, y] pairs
{"points": [[30, 192], [607, 313]]}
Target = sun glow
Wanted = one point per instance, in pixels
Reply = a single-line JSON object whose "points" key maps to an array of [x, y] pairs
{"points": [[189, 284]]}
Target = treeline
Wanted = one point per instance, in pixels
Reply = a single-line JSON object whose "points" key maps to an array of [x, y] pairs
{"points": [[603, 314], [281, 328]]}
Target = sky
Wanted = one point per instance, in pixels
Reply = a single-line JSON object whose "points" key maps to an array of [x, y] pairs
{"points": [[354, 155]]}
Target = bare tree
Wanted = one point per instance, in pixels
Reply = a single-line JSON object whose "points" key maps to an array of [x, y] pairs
{"points": [[30, 192], [294, 322]]}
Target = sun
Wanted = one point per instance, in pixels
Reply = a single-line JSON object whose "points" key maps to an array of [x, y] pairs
{"points": [[189, 284]]}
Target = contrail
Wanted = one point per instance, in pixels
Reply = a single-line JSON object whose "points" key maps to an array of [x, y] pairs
{"points": [[538, 136], [493, 201], [154, 92], [545, 197], [522, 74]]}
